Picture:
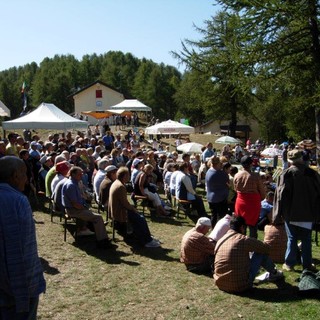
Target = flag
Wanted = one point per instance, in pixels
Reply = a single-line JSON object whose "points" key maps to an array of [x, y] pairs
{"points": [[24, 86], [24, 95]]}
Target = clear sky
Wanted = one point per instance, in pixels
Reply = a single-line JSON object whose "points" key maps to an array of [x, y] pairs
{"points": [[34, 29]]}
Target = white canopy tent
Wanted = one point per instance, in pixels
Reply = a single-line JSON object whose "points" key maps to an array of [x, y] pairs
{"points": [[169, 127], [131, 105], [46, 116], [4, 110]]}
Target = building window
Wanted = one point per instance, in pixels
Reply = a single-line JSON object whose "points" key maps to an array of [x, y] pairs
{"points": [[98, 93]]}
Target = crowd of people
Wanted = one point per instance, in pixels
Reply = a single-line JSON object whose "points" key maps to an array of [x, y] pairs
{"points": [[75, 171]]}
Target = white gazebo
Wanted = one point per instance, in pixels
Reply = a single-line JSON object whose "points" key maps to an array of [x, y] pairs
{"points": [[4, 110], [169, 127], [46, 116]]}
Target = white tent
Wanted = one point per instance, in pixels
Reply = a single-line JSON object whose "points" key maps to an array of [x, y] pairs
{"points": [[131, 105], [169, 127], [4, 110], [46, 116]]}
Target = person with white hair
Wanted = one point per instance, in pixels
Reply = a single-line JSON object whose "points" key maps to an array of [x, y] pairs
{"points": [[99, 176], [21, 273], [197, 251]]}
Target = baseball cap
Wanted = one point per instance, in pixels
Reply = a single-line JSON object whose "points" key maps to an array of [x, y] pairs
{"points": [[33, 143], [203, 221], [110, 168], [44, 159], [62, 167], [136, 161]]}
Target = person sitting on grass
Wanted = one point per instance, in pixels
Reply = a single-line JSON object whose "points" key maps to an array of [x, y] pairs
{"points": [[266, 210], [122, 212], [234, 270], [197, 251]]}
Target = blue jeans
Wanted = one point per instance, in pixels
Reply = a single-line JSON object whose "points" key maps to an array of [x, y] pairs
{"points": [[9, 313], [294, 234], [140, 227], [259, 260]]}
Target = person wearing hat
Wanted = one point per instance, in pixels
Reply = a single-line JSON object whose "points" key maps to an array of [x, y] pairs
{"points": [[110, 176], [297, 202], [136, 168], [99, 176], [51, 174], [197, 251], [250, 192], [62, 169]]}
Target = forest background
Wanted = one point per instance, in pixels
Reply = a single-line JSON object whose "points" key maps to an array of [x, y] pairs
{"points": [[256, 59]]}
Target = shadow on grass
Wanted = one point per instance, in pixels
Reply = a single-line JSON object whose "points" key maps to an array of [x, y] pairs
{"points": [[47, 268], [110, 255], [171, 221], [283, 292], [155, 253]]}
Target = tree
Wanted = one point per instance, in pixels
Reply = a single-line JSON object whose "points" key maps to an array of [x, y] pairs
{"points": [[217, 58], [283, 43]]}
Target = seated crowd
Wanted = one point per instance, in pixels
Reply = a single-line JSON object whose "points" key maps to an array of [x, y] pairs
{"points": [[75, 171]]}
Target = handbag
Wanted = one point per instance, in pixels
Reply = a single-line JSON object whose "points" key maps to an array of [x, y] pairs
{"points": [[309, 283]]}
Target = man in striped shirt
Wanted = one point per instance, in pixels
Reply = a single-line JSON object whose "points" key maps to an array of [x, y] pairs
{"points": [[21, 275], [196, 248], [235, 267]]}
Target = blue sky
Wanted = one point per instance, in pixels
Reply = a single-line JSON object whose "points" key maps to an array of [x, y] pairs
{"points": [[34, 29]]}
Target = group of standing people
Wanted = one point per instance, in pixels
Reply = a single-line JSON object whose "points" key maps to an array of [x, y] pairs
{"points": [[234, 258]]}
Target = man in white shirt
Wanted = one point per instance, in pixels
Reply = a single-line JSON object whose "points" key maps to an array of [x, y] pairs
{"points": [[101, 173]]}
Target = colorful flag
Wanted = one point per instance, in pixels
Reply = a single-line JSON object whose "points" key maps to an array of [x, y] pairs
{"points": [[24, 95], [24, 86]]}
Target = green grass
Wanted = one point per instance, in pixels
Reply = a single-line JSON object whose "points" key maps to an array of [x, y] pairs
{"points": [[139, 283]]}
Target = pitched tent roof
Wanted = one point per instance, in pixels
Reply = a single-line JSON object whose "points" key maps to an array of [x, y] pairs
{"points": [[169, 127], [46, 116], [4, 110], [131, 105]]}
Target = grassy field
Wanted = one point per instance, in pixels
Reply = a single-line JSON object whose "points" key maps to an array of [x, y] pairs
{"points": [[139, 283]]}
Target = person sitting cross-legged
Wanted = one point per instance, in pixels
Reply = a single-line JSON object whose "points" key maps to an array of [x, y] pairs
{"points": [[197, 251], [76, 207], [234, 270]]}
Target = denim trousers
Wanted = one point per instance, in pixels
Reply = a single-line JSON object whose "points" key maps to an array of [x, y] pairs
{"points": [[140, 227], [259, 260], [294, 234]]}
